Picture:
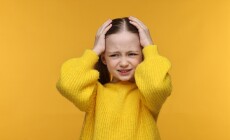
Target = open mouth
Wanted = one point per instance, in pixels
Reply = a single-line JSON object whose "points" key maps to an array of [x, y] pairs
{"points": [[124, 72]]}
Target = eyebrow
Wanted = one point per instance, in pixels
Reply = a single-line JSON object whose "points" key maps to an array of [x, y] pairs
{"points": [[126, 52]]}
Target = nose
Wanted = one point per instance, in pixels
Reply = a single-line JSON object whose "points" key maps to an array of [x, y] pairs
{"points": [[124, 62]]}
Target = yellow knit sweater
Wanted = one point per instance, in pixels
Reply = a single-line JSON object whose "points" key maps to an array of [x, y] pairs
{"points": [[117, 111]]}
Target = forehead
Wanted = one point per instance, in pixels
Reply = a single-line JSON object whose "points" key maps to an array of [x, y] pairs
{"points": [[123, 41]]}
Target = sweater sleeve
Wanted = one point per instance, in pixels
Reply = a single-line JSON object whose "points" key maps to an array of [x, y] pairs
{"points": [[78, 80], [153, 79]]}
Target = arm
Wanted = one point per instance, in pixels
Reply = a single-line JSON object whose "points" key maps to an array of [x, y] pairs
{"points": [[78, 80], [153, 79], [151, 75]]}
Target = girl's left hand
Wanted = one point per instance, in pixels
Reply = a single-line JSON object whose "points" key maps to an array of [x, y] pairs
{"points": [[144, 34]]}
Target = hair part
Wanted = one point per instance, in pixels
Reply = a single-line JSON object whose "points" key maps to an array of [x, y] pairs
{"points": [[121, 24], [118, 25]]}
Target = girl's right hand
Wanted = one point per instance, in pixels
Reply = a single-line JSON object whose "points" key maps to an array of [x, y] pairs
{"points": [[99, 44]]}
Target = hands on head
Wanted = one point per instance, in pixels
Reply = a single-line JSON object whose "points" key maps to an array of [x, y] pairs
{"points": [[144, 34], [99, 44]]}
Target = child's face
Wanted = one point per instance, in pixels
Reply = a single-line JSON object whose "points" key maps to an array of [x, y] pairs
{"points": [[122, 55]]}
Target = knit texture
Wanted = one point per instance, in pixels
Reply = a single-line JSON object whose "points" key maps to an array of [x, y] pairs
{"points": [[122, 110]]}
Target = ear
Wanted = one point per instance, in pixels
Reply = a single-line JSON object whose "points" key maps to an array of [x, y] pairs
{"points": [[103, 58]]}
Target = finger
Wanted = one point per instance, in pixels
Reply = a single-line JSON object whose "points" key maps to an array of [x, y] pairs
{"points": [[138, 21], [107, 23], [136, 25], [104, 25], [107, 28], [134, 19]]}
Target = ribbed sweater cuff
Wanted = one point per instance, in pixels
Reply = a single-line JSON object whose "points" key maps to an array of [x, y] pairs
{"points": [[150, 50], [90, 58]]}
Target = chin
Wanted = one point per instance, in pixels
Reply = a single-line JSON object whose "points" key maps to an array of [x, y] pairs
{"points": [[128, 79]]}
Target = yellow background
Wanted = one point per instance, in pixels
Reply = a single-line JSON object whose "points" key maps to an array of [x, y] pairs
{"points": [[37, 36]]}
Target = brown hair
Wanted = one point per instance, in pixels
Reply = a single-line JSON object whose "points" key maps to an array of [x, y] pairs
{"points": [[118, 25]]}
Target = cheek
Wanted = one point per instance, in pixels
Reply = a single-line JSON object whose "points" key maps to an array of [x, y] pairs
{"points": [[111, 63], [138, 60]]}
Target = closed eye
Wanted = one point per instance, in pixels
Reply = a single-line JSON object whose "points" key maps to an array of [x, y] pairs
{"points": [[113, 55], [132, 54]]}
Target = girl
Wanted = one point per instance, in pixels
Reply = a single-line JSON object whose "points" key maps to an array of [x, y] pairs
{"points": [[121, 83]]}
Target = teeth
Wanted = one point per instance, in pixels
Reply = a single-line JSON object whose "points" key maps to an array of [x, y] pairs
{"points": [[123, 71]]}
